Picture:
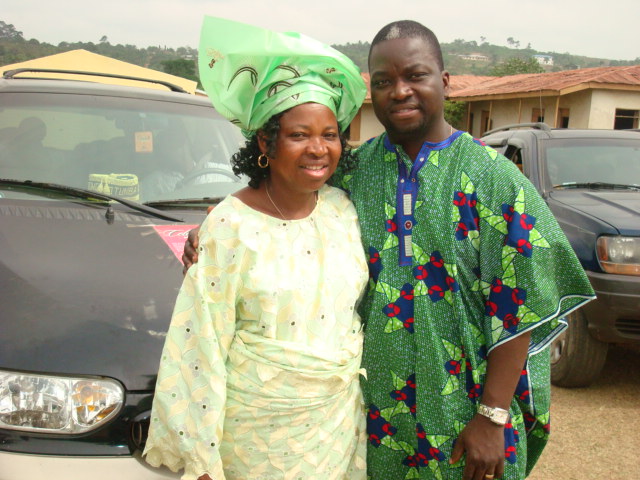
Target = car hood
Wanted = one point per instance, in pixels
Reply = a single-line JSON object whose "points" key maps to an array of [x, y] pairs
{"points": [[83, 295], [620, 209]]}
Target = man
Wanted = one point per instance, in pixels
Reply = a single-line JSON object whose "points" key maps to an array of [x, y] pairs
{"points": [[469, 273]]}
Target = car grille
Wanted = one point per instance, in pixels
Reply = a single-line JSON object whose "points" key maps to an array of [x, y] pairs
{"points": [[629, 327]]}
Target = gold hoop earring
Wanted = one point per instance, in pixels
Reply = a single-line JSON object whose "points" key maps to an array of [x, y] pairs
{"points": [[263, 161]]}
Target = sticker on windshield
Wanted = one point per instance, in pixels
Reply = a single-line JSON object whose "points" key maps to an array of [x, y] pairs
{"points": [[174, 236], [144, 142]]}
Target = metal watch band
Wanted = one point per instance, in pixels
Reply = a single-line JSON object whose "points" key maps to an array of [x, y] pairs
{"points": [[499, 416]]}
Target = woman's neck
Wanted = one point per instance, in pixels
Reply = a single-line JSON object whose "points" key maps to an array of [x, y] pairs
{"points": [[288, 207]]}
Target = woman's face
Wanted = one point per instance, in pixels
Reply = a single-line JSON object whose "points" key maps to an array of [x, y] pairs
{"points": [[307, 149]]}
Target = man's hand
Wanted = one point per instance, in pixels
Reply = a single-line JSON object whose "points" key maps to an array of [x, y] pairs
{"points": [[190, 252], [483, 443]]}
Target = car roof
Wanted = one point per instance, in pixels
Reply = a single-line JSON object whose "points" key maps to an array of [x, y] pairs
{"points": [[78, 87], [547, 132]]}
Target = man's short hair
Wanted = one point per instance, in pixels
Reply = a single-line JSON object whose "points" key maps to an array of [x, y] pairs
{"points": [[409, 29]]}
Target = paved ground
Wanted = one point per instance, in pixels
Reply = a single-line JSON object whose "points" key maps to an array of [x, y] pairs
{"points": [[596, 431]]}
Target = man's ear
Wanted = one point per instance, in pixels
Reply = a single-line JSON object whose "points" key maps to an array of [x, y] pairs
{"points": [[446, 85]]}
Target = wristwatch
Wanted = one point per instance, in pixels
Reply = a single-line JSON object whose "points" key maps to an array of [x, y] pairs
{"points": [[497, 415]]}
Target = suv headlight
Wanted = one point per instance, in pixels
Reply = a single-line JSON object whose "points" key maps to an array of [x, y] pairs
{"points": [[56, 404], [619, 255]]}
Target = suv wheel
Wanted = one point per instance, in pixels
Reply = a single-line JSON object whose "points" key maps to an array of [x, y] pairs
{"points": [[576, 357]]}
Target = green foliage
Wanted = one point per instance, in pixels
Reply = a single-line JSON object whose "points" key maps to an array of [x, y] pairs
{"points": [[515, 65], [357, 52], [8, 31], [180, 67], [455, 113]]}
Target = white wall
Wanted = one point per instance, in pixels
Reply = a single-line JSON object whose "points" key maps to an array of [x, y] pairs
{"points": [[370, 126], [605, 103], [579, 105]]}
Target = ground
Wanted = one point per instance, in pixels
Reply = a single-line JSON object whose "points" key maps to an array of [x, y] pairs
{"points": [[596, 430]]}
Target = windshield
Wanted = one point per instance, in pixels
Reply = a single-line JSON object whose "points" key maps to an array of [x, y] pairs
{"points": [[141, 150], [592, 160]]}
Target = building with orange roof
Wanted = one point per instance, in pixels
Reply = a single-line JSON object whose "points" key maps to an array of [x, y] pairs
{"points": [[602, 97]]}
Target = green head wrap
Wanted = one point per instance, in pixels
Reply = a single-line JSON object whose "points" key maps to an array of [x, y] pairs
{"points": [[251, 74]]}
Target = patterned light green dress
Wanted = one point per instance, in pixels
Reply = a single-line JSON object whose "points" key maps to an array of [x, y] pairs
{"points": [[464, 256], [259, 377]]}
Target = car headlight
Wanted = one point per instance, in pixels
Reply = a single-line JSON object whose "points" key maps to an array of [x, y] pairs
{"points": [[55, 404], [619, 255]]}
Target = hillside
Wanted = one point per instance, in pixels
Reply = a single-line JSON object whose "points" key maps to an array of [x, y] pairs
{"points": [[460, 56], [470, 58]]}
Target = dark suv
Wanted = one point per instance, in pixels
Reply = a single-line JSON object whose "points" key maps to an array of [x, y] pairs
{"points": [[591, 181], [99, 185]]}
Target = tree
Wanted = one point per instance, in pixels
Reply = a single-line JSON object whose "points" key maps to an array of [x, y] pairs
{"points": [[180, 68], [8, 31], [454, 113], [104, 39], [515, 65]]}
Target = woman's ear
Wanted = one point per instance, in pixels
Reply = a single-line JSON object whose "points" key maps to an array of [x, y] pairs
{"points": [[262, 142]]}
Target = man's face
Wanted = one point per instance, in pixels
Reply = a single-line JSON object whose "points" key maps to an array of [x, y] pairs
{"points": [[407, 88]]}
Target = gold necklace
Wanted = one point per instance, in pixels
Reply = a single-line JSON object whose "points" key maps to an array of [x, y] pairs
{"points": [[266, 189]]}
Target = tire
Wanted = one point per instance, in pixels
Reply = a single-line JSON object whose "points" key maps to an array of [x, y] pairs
{"points": [[576, 357]]}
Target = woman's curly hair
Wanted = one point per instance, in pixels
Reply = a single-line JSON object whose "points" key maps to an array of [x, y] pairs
{"points": [[245, 161]]}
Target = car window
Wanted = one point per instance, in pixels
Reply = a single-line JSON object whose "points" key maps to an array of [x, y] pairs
{"points": [[515, 155], [149, 149], [592, 160]]}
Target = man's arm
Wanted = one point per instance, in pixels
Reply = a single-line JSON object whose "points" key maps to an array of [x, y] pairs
{"points": [[482, 440], [190, 251]]}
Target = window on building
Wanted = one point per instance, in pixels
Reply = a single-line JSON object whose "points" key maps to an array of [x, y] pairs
{"points": [[563, 118], [537, 115], [625, 119]]}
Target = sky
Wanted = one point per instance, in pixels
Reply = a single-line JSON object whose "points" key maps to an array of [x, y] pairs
{"points": [[591, 28]]}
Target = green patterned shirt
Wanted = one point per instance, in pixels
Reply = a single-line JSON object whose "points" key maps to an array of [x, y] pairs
{"points": [[464, 255]]}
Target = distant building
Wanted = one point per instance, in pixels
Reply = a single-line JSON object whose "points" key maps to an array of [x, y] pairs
{"points": [[602, 97], [544, 59], [476, 57]]}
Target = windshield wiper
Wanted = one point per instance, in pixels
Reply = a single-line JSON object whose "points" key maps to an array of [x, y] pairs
{"points": [[599, 185], [88, 195], [184, 201]]}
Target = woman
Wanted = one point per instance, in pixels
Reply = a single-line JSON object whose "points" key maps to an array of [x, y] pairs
{"points": [[259, 374]]}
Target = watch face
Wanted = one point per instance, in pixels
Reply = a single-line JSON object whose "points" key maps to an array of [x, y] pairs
{"points": [[500, 416]]}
